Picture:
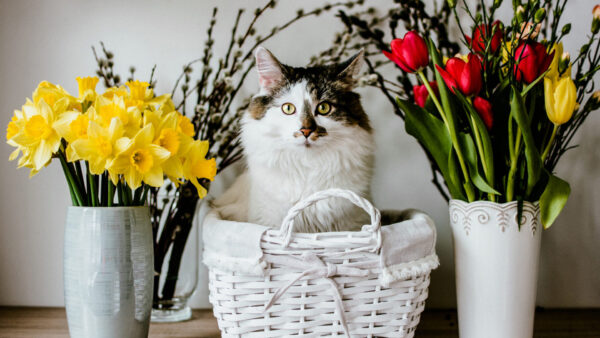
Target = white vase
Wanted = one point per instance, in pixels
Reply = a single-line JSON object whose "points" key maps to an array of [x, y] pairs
{"points": [[108, 271], [496, 268]]}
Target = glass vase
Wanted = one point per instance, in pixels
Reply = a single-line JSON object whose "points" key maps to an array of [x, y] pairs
{"points": [[178, 274]]}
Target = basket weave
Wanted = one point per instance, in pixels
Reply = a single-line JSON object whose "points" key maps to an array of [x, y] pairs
{"points": [[318, 284]]}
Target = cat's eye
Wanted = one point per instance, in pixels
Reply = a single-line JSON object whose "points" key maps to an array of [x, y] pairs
{"points": [[288, 108], [323, 108]]}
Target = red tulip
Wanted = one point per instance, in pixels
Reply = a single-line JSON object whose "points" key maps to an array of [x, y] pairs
{"points": [[531, 61], [421, 94], [481, 38], [484, 109], [409, 53], [466, 76]]}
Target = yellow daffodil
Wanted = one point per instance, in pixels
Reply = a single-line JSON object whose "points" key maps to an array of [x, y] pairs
{"points": [[111, 92], [51, 94], [104, 110], [100, 147], [185, 126], [561, 98], [141, 95], [196, 166], [14, 127], [141, 160], [87, 88], [167, 136], [38, 138], [71, 126]]}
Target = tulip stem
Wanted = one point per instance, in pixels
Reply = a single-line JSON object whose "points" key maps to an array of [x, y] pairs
{"points": [[433, 96], [549, 145], [510, 185], [468, 187]]}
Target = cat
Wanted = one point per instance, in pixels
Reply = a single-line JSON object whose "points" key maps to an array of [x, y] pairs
{"points": [[305, 131]]}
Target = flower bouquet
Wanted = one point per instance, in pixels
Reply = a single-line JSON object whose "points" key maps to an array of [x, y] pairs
{"points": [[112, 146], [495, 123]]}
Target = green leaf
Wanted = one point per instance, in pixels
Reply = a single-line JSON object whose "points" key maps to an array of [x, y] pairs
{"points": [[471, 156], [433, 135], [553, 200], [454, 177], [532, 154], [486, 142]]}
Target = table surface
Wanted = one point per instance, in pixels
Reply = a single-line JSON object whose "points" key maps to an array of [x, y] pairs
{"points": [[20, 322]]}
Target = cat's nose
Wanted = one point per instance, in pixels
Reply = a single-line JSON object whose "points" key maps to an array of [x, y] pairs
{"points": [[306, 132]]}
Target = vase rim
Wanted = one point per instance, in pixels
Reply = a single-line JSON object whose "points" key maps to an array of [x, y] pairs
{"points": [[505, 204]]}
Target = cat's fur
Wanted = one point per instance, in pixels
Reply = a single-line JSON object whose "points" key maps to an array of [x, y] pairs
{"points": [[284, 165]]}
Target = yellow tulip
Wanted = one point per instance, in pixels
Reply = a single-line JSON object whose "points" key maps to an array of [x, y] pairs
{"points": [[561, 98], [37, 137], [141, 160], [196, 165]]}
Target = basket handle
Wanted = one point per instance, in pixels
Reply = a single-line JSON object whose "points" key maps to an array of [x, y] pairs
{"points": [[287, 226]]}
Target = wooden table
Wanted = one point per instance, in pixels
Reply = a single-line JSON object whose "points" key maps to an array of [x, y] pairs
{"points": [[20, 322]]}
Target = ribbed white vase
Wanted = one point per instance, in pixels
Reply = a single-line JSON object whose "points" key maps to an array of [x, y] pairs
{"points": [[108, 271], [496, 268]]}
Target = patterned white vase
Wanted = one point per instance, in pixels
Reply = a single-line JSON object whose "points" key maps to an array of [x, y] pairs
{"points": [[108, 271], [496, 268]]}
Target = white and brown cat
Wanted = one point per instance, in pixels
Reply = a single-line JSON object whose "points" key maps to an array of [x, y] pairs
{"points": [[305, 131]]}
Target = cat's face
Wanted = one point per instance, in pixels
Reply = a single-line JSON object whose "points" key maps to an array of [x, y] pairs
{"points": [[305, 108]]}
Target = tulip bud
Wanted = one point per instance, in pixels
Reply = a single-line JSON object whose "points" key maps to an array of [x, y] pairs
{"points": [[540, 15], [452, 3], [497, 3], [563, 62], [520, 14], [566, 29], [409, 53], [596, 19], [560, 99], [484, 109], [596, 12], [461, 75], [421, 93]]}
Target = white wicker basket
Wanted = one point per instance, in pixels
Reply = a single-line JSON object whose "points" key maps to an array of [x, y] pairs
{"points": [[371, 283]]}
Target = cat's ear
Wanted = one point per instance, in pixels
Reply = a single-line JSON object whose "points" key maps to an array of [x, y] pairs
{"points": [[350, 69], [270, 71]]}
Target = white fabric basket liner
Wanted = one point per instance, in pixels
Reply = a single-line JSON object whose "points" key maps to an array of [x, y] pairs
{"points": [[407, 247], [267, 282]]}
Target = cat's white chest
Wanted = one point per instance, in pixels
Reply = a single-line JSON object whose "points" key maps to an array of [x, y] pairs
{"points": [[274, 190]]}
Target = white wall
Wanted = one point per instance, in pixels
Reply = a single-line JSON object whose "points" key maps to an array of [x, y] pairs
{"points": [[50, 40]]}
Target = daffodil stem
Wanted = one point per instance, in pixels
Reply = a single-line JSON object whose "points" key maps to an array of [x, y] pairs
{"points": [[549, 145], [92, 187], [73, 186], [144, 195], [111, 193], [137, 195], [104, 190], [122, 201]]}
